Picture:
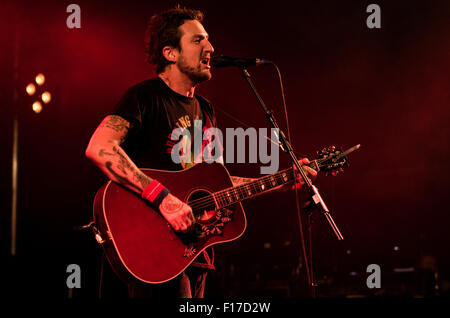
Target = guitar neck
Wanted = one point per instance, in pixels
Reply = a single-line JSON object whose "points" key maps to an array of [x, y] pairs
{"points": [[331, 160], [237, 194]]}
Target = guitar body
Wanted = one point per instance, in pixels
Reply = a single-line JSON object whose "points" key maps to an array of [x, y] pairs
{"points": [[139, 243]]}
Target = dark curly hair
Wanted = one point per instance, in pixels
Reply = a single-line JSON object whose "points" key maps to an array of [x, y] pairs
{"points": [[162, 30]]}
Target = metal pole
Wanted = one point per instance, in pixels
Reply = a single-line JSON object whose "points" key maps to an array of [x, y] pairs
{"points": [[14, 185], [15, 150]]}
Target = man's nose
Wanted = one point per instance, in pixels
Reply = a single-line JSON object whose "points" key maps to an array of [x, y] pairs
{"points": [[209, 47]]}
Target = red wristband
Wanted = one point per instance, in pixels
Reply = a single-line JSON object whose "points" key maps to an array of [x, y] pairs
{"points": [[155, 192], [152, 190]]}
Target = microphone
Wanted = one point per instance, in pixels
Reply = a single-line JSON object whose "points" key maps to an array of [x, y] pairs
{"points": [[226, 61]]}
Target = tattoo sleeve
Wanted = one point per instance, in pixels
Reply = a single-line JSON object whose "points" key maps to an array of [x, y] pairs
{"points": [[119, 125], [117, 165], [121, 179]]}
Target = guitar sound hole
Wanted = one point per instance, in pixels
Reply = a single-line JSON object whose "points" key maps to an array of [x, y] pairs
{"points": [[202, 206]]}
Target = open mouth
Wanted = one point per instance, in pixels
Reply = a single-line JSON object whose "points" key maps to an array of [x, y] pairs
{"points": [[206, 61]]}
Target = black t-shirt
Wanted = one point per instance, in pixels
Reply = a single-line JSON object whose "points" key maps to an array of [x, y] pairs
{"points": [[154, 111]]}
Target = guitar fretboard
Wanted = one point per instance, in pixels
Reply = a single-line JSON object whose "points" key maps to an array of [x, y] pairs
{"points": [[236, 194]]}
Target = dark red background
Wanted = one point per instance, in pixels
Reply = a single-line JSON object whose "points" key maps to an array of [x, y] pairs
{"points": [[387, 89]]}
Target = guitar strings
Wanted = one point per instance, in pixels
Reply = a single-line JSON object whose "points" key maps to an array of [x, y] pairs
{"points": [[221, 197], [226, 199], [219, 200], [240, 191]]}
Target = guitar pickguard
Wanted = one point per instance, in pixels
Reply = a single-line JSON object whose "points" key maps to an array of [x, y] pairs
{"points": [[215, 224], [209, 221]]}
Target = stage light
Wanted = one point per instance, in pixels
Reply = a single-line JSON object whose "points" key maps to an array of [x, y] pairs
{"points": [[40, 79], [46, 97], [31, 89], [37, 107]]}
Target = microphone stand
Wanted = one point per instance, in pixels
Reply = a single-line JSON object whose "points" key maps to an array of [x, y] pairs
{"points": [[317, 201]]}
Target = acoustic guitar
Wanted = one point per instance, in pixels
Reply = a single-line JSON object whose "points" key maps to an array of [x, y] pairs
{"points": [[143, 248]]}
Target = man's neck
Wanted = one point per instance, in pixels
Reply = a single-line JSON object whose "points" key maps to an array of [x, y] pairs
{"points": [[178, 82]]}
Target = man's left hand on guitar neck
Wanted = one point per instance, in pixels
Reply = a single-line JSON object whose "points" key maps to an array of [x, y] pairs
{"points": [[310, 173]]}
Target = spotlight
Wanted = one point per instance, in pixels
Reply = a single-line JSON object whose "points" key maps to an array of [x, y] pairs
{"points": [[37, 107], [46, 97], [31, 89], [40, 79]]}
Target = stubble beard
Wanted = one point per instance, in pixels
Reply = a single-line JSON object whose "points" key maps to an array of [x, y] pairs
{"points": [[195, 74]]}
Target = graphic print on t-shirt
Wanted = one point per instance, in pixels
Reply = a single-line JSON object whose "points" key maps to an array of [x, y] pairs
{"points": [[182, 141], [189, 142]]}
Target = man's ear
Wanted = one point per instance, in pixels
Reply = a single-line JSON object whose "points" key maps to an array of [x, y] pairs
{"points": [[170, 53]]}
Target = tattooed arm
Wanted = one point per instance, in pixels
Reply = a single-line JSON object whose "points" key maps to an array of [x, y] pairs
{"points": [[105, 151]]}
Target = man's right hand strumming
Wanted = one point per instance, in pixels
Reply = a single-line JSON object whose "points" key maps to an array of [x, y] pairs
{"points": [[177, 213]]}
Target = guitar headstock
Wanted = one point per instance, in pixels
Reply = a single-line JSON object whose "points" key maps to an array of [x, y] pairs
{"points": [[331, 160]]}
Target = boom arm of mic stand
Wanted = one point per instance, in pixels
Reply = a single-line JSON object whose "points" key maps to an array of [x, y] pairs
{"points": [[286, 146]]}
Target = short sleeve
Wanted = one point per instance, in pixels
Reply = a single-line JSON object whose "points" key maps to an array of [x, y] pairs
{"points": [[129, 107]]}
